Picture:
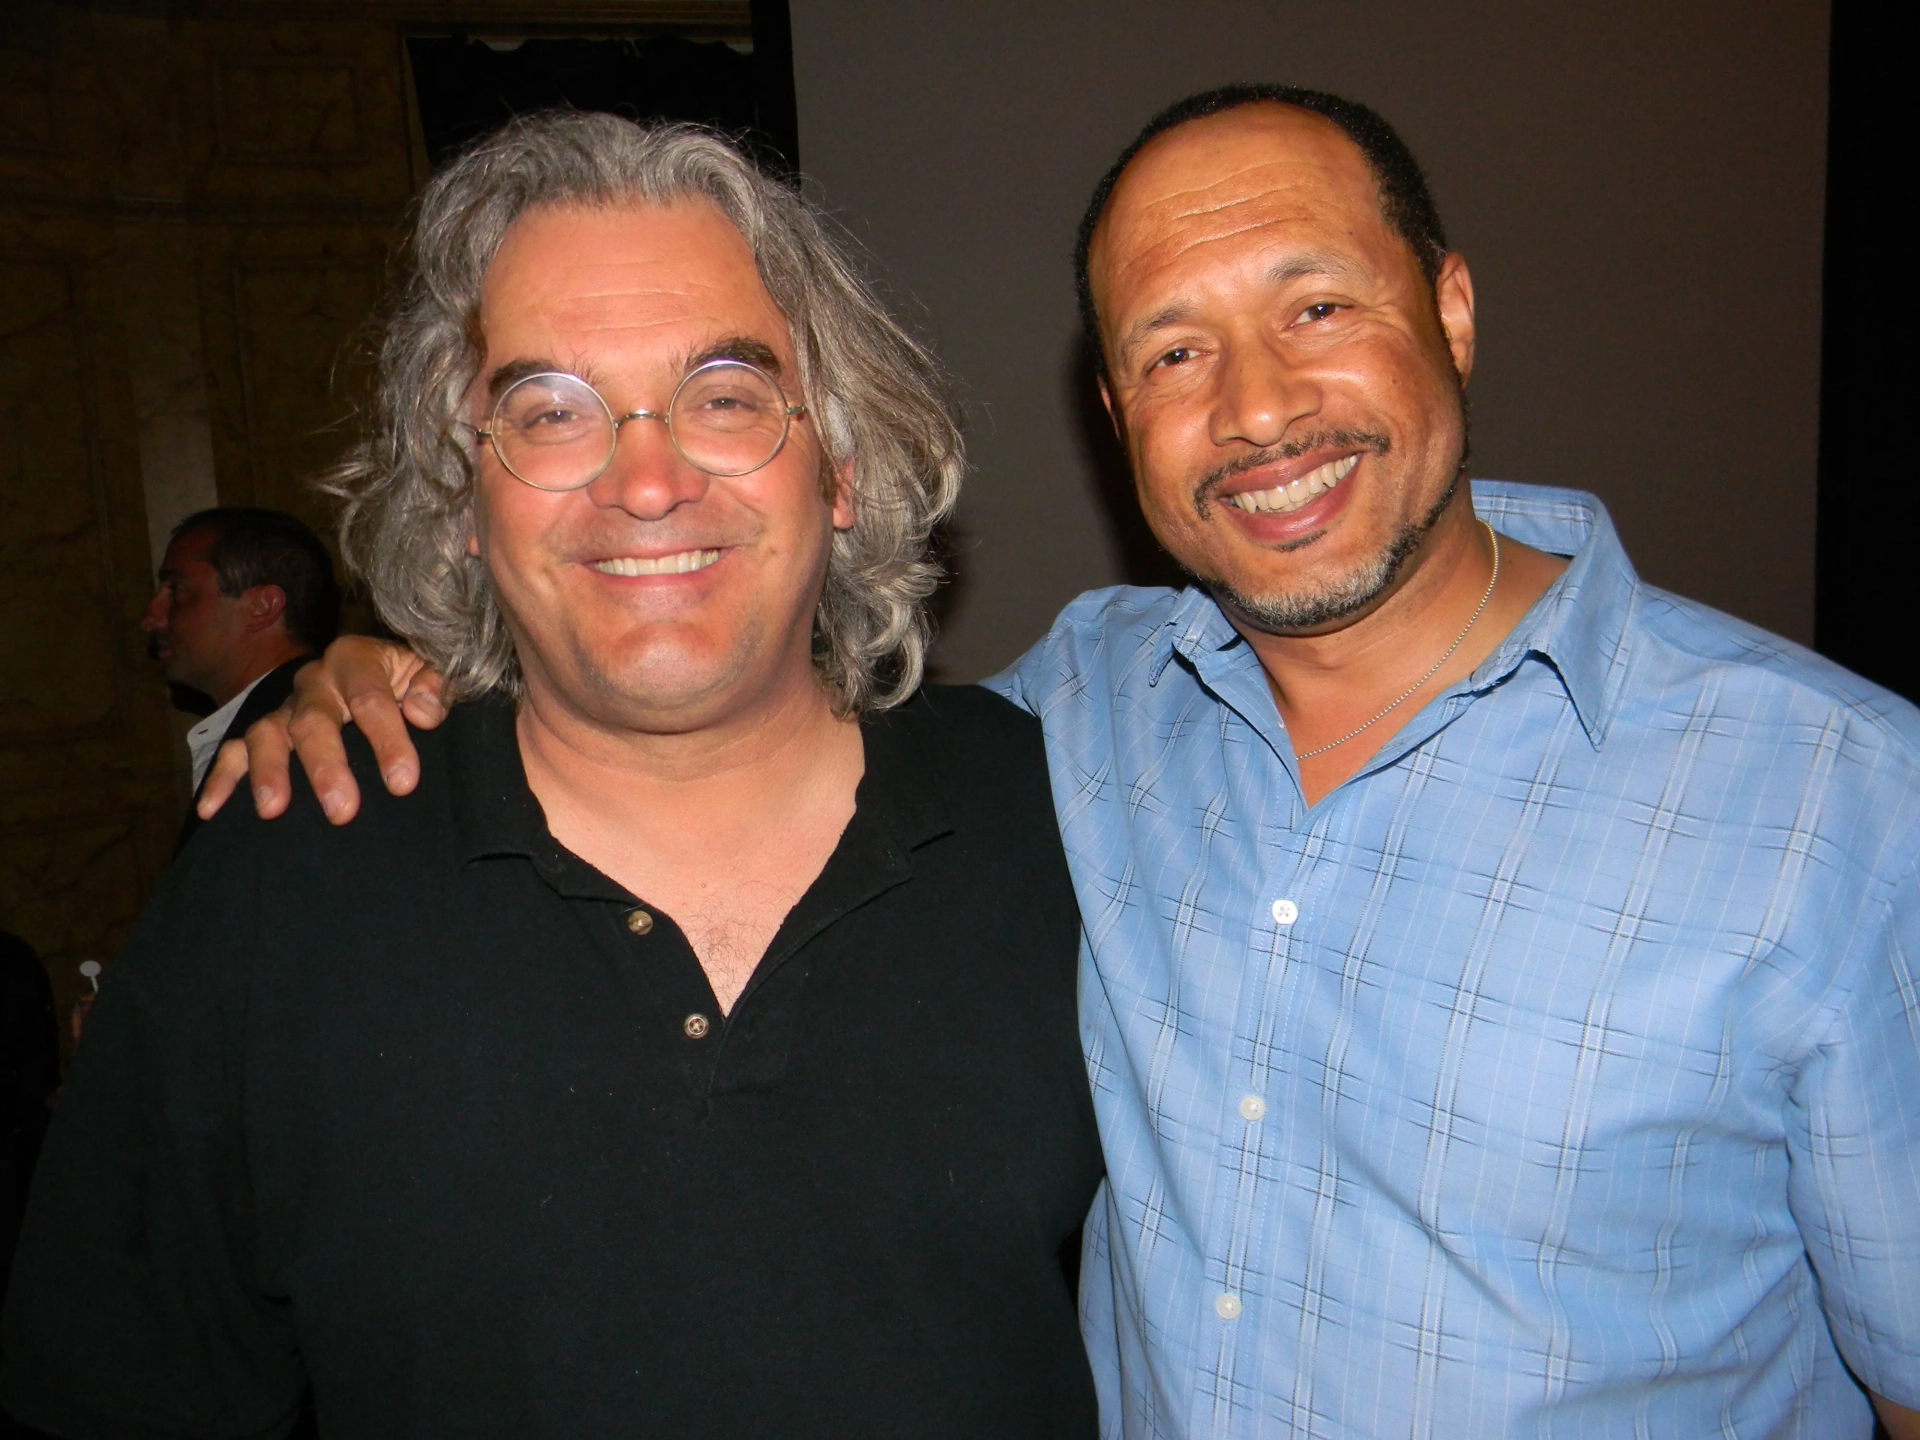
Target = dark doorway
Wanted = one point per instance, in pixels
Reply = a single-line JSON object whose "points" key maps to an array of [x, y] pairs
{"points": [[467, 84], [1869, 515]]}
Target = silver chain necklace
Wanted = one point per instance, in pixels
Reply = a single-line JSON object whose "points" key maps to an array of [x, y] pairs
{"points": [[1492, 535]]}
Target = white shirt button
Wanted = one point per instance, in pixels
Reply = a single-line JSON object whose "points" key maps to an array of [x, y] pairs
{"points": [[1285, 912], [1252, 1107], [1227, 1307]]}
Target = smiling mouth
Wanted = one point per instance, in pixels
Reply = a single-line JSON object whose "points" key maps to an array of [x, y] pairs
{"points": [[1283, 498], [681, 562]]}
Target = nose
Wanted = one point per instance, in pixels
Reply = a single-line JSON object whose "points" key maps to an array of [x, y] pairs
{"points": [[1259, 394], [647, 476], [154, 617]]}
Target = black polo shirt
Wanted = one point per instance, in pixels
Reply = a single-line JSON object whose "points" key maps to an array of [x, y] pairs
{"points": [[429, 1112]]}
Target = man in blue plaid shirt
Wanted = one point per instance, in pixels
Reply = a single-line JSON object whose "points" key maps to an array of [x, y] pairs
{"points": [[1502, 978], [1502, 982]]}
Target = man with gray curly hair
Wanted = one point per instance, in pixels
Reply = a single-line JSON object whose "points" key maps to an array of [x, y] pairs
{"points": [[695, 1052]]}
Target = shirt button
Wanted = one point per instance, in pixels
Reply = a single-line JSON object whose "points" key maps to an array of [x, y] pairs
{"points": [[1227, 1307], [1252, 1107], [639, 921], [1285, 912], [696, 1026]]}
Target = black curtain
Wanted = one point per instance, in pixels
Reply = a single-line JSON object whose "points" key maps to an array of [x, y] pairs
{"points": [[1869, 511], [466, 85]]}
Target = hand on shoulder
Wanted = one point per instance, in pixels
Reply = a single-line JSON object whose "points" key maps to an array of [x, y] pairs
{"points": [[379, 685]]}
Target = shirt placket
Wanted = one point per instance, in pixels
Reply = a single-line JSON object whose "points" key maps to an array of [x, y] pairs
{"points": [[1269, 1169], [673, 1007], [1269, 883]]}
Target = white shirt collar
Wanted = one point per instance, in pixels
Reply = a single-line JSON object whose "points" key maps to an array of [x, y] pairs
{"points": [[204, 738]]}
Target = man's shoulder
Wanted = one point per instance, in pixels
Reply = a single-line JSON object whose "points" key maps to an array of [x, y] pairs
{"points": [[959, 761], [1119, 614], [964, 724], [1704, 651], [983, 754], [237, 835], [1099, 637]]}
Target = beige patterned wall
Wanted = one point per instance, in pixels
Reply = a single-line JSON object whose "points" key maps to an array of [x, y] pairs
{"points": [[156, 181], [193, 222]]}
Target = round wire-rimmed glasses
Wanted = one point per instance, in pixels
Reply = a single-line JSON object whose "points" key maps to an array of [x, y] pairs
{"points": [[554, 431]]}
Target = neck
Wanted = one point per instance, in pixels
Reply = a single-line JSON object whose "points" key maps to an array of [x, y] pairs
{"points": [[721, 827], [271, 654], [1406, 628], [1336, 683], [738, 765]]}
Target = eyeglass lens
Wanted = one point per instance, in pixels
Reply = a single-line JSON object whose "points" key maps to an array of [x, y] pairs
{"points": [[556, 433]]}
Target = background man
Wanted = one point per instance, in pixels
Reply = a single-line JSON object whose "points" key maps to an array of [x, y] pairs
{"points": [[1500, 996], [245, 596], [700, 1057]]}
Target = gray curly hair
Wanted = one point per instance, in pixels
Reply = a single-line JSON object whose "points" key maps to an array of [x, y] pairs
{"points": [[880, 403]]}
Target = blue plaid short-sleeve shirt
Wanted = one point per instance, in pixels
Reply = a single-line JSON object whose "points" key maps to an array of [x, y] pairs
{"points": [[1557, 1075]]}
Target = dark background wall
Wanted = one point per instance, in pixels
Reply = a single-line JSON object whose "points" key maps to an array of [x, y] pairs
{"points": [[1637, 185], [1869, 505]]}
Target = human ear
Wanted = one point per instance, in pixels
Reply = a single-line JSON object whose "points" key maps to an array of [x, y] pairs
{"points": [[1453, 301], [1113, 410], [840, 493], [265, 604]]}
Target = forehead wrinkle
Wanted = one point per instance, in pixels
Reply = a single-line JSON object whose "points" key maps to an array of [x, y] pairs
{"points": [[1157, 212], [1218, 182]]}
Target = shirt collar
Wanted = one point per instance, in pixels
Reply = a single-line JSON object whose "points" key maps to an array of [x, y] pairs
{"points": [[495, 812], [217, 722], [1582, 626], [1193, 627], [204, 738], [1579, 628]]}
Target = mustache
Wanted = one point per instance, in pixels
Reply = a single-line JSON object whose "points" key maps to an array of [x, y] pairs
{"points": [[1370, 441]]}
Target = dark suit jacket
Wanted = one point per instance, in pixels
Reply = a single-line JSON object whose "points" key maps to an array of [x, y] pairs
{"points": [[273, 691]]}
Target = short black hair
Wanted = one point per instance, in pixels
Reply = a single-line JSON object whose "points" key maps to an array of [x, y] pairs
{"points": [[1405, 201], [252, 546]]}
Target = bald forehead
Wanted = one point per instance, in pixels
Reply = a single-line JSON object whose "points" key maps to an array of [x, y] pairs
{"points": [[1223, 174]]}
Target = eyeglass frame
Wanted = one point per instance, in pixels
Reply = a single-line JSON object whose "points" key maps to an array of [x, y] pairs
{"points": [[492, 436]]}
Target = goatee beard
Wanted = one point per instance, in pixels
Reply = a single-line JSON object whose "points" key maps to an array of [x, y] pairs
{"points": [[1314, 609], [1310, 610]]}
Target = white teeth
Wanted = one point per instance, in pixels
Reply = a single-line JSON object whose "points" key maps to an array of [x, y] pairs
{"points": [[1282, 498], [681, 562]]}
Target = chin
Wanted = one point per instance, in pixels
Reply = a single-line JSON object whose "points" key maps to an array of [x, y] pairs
{"points": [[664, 680]]}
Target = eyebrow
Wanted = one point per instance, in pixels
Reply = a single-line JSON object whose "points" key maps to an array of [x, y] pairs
{"points": [[1295, 267], [1162, 319], [1315, 262], [505, 377], [744, 348]]}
